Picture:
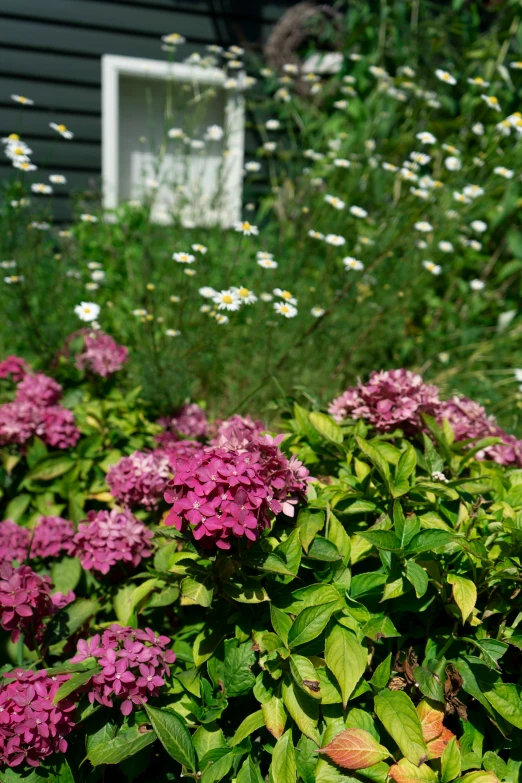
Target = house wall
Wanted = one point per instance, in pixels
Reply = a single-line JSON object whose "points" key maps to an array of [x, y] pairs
{"points": [[50, 51]]}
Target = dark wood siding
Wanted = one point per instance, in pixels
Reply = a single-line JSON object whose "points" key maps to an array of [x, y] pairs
{"points": [[50, 51]]}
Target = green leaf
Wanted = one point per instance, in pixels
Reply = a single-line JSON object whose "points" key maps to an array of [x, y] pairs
{"points": [[249, 772], [339, 537], [173, 735], [238, 672], [381, 676], [310, 623], [399, 717], [17, 507], [405, 527], [50, 468], [406, 466], [274, 715], [309, 523], [380, 627], [304, 674], [249, 592], [281, 623], [218, 769], [250, 724], [493, 763], [376, 459], [506, 699], [322, 549], [205, 644], [306, 758], [290, 550], [283, 767], [427, 540], [111, 745], [417, 576], [342, 647], [303, 709], [430, 685], [74, 682], [326, 427], [273, 564], [464, 594], [66, 574], [197, 589], [69, 619], [382, 539], [451, 761]]}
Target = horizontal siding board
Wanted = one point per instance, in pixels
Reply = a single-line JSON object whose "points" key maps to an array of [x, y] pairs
{"points": [[33, 122], [49, 66], [52, 155], [52, 96], [77, 181], [256, 10]]}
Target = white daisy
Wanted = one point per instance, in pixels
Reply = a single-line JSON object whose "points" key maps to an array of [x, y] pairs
{"points": [[476, 285], [317, 311], [40, 187], [272, 125], [267, 263], [183, 258], [358, 212], [445, 76], [87, 218], [62, 130], [287, 310], [446, 247], [57, 179], [207, 292], [87, 311], [353, 263], [227, 300], [199, 248], [424, 226], [172, 332], [426, 138], [478, 129], [453, 163], [23, 100], [176, 133], [245, 295], [435, 269], [479, 226], [342, 163], [334, 201], [491, 101], [503, 172], [315, 234], [246, 228], [335, 240], [286, 295]]}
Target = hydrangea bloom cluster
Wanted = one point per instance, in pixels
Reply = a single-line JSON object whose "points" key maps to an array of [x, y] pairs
{"points": [[25, 600], [179, 449], [189, 422], [35, 411], [101, 355], [469, 420], [139, 480], [234, 428], [111, 537], [134, 664], [14, 541], [52, 537], [391, 399], [14, 368], [31, 726], [229, 492]]}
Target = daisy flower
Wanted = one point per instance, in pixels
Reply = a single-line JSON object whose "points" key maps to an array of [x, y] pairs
{"points": [[245, 295], [342, 163], [267, 263], [435, 269], [353, 263], [317, 311], [23, 100], [287, 310], [272, 125], [270, 146], [334, 201], [390, 167], [174, 39], [207, 292], [172, 332], [503, 172], [222, 319], [315, 234], [264, 255], [286, 295], [183, 258], [18, 150], [176, 133], [140, 312], [478, 80], [473, 191], [252, 166], [420, 157], [476, 285], [453, 164], [446, 247], [227, 300], [190, 272], [57, 179], [335, 240], [424, 226], [445, 76], [478, 129], [358, 212], [246, 228], [491, 101], [461, 198], [87, 218], [87, 311], [24, 165], [40, 187], [479, 226], [426, 138], [199, 249], [516, 65], [62, 130], [266, 297]]}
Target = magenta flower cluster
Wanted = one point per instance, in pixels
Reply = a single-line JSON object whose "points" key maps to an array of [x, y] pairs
{"points": [[51, 537], [227, 493], [31, 726], [25, 601], [35, 411], [109, 538], [139, 480], [234, 429], [390, 400], [134, 664], [101, 355], [396, 399], [14, 368], [189, 421], [175, 450]]}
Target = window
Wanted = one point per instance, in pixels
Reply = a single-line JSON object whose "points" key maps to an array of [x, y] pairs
{"points": [[157, 146]]}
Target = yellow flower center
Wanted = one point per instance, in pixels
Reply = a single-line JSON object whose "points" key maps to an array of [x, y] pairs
{"points": [[286, 295], [61, 128], [245, 226], [244, 292], [284, 308], [13, 137], [493, 99], [18, 151], [227, 299]]}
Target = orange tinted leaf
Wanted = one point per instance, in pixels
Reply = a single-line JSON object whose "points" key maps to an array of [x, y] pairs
{"points": [[406, 772], [431, 720], [436, 746], [355, 749]]}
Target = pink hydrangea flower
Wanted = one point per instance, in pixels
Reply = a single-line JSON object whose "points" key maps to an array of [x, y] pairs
{"points": [[179, 449], [234, 428], [134, 664], [111, 537], [14, 367], [469, 420], [14, 541], [19, 422], [189, 422], [101, 355], [139, 480], [226, 493], [39, 389], [59, 429], [31, 726], [391, 399], [25, 600], [52, 537]]}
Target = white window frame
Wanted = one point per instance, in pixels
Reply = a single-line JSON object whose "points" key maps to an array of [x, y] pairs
{"points": [[114, 66]]}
